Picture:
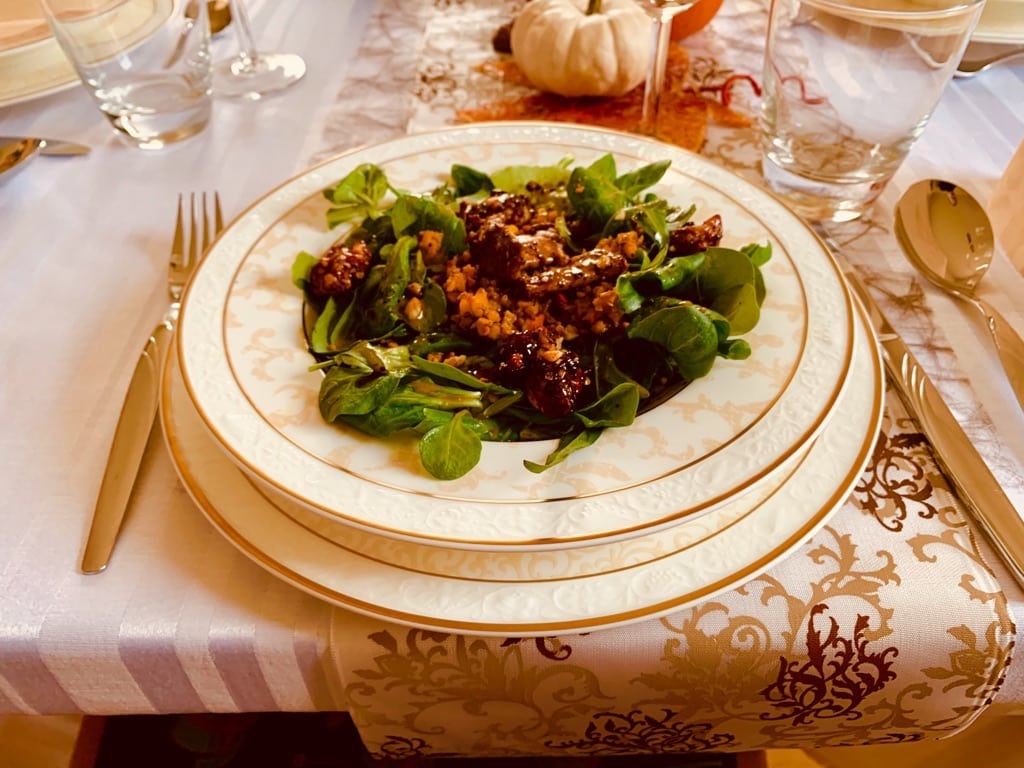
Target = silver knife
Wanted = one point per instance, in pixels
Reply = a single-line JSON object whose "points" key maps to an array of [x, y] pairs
{"points": [[970, 476], [133, 427]]}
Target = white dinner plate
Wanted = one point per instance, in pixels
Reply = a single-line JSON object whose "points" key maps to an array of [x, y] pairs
{"points": [[503, 565], [244, 362], [533, 603], [719, 437], [1002, 21], [32, 63]]}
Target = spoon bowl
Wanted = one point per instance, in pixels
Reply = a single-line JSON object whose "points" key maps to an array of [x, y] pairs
{"points": [[220, 15], [15, 151], [946, 234]]}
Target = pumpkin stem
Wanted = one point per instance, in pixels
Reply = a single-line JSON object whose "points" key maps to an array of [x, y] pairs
{"points": [[594, 6]]}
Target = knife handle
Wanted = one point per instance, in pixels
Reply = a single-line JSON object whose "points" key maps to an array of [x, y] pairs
{"points": [[130, 437], [956, 455]]}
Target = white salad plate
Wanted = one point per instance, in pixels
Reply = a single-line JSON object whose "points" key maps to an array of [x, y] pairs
{"points": [[244, 362], [451, 591], [32, 63], [512, 565]]}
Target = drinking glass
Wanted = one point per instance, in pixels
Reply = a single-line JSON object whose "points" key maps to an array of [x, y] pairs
{"points": [[146, 63], [849, 85], [661, 12], [252, 74]]}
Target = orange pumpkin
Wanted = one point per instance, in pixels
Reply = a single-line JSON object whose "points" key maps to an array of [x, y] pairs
{"points": [[694, 19]]}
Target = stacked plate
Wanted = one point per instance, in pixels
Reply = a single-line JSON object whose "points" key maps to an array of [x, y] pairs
{"points": [[1002, 21], [699, 494], [32, 63]]}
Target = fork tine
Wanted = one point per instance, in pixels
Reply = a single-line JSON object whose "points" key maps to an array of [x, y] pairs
{"points": [[206, 224], [192, 234], [194, 231], [218, 217], [178, 244]]}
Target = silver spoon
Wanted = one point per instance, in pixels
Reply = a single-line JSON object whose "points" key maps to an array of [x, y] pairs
{"points": [[15, 151], [219, 13], [947, 235]]}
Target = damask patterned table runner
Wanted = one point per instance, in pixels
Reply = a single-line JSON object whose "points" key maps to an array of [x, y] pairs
{"points": [[886, 626]]}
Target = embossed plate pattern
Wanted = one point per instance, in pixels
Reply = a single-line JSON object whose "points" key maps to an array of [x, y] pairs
{"points": [[243, 360], [503, 565], [346, 577]]}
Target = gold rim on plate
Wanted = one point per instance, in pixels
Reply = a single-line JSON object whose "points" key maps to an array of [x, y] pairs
{"points": [[609, 493], [33, 65], [342, 576]]}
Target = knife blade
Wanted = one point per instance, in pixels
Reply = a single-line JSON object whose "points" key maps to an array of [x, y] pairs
{"points": [[954, 452], [138, 413]]}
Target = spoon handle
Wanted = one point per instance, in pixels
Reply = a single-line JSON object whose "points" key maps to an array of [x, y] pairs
{"points": [[1009, 345]]}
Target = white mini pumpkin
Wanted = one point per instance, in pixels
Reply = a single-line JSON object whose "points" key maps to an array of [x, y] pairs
{"points": [[582, 47]]}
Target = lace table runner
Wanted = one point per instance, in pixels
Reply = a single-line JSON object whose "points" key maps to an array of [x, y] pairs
{"points": [[887, 626]]}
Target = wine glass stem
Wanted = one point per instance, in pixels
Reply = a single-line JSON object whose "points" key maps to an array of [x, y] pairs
{"points": [[247, 51], [662, 33]]}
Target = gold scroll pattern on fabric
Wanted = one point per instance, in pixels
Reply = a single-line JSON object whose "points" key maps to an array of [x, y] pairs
{"points": [[833, 646]]}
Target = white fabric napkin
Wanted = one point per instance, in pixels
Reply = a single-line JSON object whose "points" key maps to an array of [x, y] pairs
{"points": [[1005, 208]]}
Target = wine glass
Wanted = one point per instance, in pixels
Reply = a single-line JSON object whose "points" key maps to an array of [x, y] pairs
{"points": [[251, 74], [662, 13]]}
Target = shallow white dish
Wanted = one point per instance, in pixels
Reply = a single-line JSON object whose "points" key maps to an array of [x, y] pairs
{"points": [[244, 362], [533, 603], [34, 70], [1002, 21], [504, 565], [32, 63]]}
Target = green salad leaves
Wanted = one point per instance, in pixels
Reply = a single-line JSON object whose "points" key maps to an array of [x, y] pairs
{"points": [[397, 358]]}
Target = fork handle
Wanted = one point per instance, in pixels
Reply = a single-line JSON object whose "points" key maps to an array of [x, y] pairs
{"points": [[130, 437]]}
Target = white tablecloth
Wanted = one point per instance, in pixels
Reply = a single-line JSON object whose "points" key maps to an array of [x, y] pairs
{"points": [[180, 621]]}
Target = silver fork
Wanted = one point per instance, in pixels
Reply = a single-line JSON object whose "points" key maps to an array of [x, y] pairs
{"points": [[193, 232]]}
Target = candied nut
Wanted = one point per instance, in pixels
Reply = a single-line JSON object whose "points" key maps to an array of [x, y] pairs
{"points": [[340, 268]]}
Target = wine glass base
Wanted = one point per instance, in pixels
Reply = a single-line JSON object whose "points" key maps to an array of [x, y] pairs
{"points": [[253, 78]]}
